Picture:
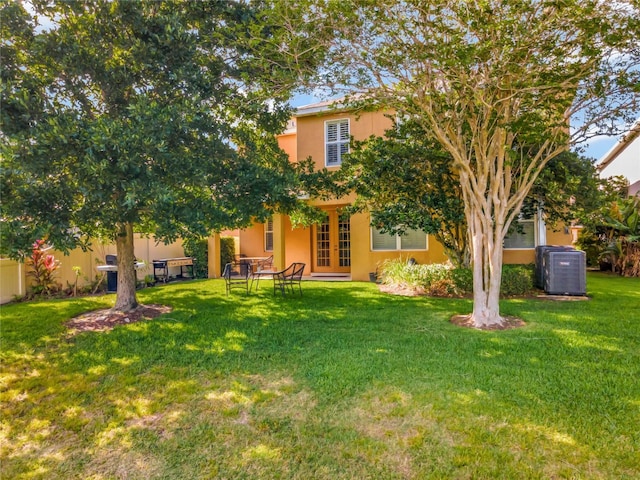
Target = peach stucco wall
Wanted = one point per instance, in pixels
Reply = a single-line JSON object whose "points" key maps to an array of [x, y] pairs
{"points": [[297, 244], [252, 241], [287, 142], [364, 260], [310, 131]]}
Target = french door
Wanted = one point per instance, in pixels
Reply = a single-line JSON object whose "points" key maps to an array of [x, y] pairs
{"points": [[332, 244]]}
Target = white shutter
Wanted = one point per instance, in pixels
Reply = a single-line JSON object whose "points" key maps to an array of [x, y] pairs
{"points": [[332, 154], [332, 132], [344, 130], [336, 141]]}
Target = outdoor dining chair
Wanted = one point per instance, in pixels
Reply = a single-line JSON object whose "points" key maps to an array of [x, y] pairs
{"points": [[286, 279], [236, 275]]}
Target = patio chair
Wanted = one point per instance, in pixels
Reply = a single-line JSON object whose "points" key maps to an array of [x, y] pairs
{"points": [[236, 275], [287, 278], [265, 265]]}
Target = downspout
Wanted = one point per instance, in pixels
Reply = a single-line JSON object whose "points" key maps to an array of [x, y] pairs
{"points": [[542, 226]]}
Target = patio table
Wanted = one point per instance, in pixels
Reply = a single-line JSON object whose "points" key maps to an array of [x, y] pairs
{"points": [[256, 274]]}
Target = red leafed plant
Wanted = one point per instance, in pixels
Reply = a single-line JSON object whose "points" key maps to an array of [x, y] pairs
{"points": [[42, 270]]}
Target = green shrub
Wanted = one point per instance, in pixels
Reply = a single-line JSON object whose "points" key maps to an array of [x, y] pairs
{"points": [[401, 273], [198, 248], [463, 280], [227, 251], [516, 280], [442, 280], [592, 245], [430, 274]]}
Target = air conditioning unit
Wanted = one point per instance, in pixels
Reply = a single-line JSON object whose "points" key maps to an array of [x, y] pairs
{"points": [[540, 264], [565, 273]]}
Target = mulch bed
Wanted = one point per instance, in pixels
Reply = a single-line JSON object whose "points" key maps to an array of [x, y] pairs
{"points": [[402, 291], [507, 323], [106, 319], [459, 320]]}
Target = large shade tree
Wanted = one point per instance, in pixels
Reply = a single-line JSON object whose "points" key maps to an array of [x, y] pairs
{"points": [[151, 117], [496, 83], [406, 180]]}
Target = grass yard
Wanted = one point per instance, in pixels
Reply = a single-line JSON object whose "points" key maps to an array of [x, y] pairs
{"points": [[343, 383]]}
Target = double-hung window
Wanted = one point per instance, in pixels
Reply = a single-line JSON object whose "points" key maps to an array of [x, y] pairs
{"points": [[268, 236], [410, 240], [336, 141]]}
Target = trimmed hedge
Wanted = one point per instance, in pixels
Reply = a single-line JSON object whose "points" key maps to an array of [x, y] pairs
{"points": [[517, 280], [198, 248], [227, 251], [442, 280]]}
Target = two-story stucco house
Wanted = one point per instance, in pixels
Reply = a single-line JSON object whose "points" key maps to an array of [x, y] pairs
{"points": [[349, 246]]}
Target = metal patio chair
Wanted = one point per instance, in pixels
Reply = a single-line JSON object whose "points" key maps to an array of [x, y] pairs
{"points": [[286, 279], [236, 275]]}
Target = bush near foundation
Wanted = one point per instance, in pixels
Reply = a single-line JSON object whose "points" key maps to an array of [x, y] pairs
{"points": [[198, 249], [443, 280], [227, 251]]}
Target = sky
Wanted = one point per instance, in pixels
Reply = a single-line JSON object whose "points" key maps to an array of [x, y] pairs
{"points": [[599, 146]]}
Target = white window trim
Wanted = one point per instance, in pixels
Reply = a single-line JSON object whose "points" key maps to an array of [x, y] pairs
{"points": [[539, 227], [398, 244], [267, 231], [337, 142]]}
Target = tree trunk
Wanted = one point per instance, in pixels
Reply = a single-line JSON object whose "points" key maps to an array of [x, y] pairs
{"points": [[486, 251], [126, 296]]}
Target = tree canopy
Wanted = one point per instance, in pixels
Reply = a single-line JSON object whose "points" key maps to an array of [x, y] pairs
{"points": [[158, 117], [406, 181], [497, 84]]}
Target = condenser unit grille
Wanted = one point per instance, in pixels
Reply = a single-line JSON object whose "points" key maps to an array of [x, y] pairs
{"points": [[565, 273], [540, 260]]}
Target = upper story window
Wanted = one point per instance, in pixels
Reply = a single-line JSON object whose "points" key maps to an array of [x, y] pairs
{"points": [[336, 141], [410, 240], [268, 236]]}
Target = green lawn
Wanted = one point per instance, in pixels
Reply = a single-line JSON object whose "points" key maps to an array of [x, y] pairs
{"points": [[343, 383]]}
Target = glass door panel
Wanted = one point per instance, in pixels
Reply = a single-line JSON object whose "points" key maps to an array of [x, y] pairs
{"points": [[332, 244]]}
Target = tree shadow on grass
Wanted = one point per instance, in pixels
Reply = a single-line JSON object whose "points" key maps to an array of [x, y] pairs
{"points": [[232, 380]]}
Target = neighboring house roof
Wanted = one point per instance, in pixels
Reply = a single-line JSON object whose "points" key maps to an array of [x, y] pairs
{"points": [[619, 147], [624, 159]]}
